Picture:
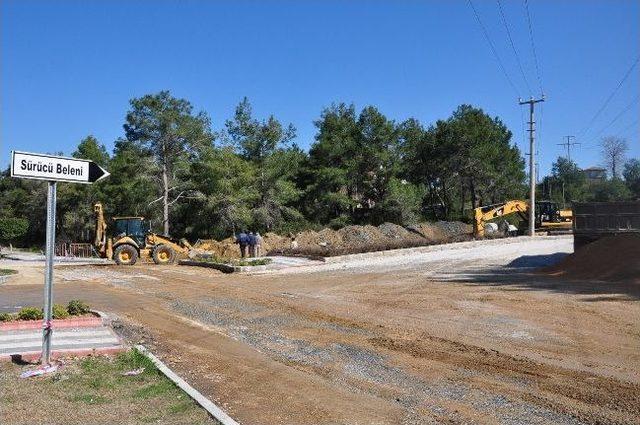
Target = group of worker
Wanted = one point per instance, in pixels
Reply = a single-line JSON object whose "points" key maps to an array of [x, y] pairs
{"points": [[250, 243]]}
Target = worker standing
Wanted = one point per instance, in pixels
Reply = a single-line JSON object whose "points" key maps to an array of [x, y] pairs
{"points": [[242, 240], [258, 245], [252, 244]]}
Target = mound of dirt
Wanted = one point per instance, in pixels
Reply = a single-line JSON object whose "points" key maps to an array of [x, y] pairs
{"points": [[360, 235], [613, 258], [225, 248], [350, 239]]}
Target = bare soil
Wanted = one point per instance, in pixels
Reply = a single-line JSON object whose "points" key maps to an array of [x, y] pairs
{"points": [[414, 343]]}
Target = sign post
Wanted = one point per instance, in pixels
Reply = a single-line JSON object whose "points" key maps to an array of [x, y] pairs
{"points": [[53, 169], [48, 273]]}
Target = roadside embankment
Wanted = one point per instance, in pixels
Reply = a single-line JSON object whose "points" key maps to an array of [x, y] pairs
{"points": [[348, 240]]}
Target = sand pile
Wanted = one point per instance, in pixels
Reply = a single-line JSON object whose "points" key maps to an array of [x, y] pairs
{"points": [[613, 258], [349, 239]]}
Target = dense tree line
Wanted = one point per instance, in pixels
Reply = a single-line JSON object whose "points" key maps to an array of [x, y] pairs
{"points": [[192, 181]]}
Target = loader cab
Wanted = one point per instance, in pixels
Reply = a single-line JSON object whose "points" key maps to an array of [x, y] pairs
{"points": [[547, 212], [134, 227]]}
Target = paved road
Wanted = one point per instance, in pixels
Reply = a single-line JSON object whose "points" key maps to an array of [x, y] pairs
{"points": [[461, 335]]}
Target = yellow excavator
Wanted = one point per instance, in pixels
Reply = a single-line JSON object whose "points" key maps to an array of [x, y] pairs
{"points": [[132, 239], [548, 215]]}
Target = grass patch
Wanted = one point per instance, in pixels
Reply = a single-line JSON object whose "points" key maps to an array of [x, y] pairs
{"points": [[180, 407], [233, 261], [7, 272], [90, 399], [256, 262], [93, 390], [154, 390]]}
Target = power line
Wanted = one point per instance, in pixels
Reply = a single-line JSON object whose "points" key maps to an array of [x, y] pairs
{"points": [[606, 102], [513, 46], [533, 46], [624, 110], [620, 134], [493, 48]]}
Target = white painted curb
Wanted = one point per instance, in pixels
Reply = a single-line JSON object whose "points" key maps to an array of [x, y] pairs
{"points": [[207, 404]]}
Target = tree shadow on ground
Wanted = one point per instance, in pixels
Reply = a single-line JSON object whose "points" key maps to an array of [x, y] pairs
{"points": [[528, 273]]}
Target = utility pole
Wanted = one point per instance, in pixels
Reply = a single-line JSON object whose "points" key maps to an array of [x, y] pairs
{"points": [[532, 162], [569, 144]]}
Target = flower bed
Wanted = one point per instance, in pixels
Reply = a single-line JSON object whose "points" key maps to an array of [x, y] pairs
{"points": [[75, 314]]}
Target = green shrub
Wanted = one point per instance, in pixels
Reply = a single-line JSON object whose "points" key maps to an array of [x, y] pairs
{"points": [[12, 228], [257, 262], [60, 312], [77, 308], [30, 313], [6, 317]]}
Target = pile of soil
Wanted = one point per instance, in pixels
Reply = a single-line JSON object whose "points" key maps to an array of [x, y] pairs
{"points": [[613, 258], [225, 248], [348, 240]]}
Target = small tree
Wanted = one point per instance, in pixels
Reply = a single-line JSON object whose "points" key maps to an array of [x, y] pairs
{"points": [[631, 175], [613, 152], [570, 180], [12, 228]]}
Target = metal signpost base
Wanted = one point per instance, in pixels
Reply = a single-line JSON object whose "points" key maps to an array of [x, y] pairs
{"points": [[48, 274]]}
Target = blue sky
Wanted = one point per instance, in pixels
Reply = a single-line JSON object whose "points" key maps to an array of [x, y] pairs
{"points": [[69, 68]]}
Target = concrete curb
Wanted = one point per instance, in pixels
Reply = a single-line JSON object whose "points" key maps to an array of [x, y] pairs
{"points": [[225, 268], [438, 247], [206, 404], [34, 356]]}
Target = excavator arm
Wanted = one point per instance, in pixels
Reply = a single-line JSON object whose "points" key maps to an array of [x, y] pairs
{"points": [[101, 243], [482, 215]]}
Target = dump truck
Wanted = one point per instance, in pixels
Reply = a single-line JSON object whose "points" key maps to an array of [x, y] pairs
{"points": [[132, 239], [594, 220]]}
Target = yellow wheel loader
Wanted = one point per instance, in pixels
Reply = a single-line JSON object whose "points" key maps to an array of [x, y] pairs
{"points": [[132, 239]]}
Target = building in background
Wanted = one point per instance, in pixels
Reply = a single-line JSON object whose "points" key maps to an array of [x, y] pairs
{"points": [[594, 174]]}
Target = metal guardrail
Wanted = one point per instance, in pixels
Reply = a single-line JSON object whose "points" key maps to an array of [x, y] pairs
{"points": [[79, 250]]}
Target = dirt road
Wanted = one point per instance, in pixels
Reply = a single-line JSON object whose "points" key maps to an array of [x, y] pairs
{"points": [[451, 336]]}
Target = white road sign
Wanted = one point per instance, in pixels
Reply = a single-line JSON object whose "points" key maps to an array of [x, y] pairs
{"points": [[55, 168]]}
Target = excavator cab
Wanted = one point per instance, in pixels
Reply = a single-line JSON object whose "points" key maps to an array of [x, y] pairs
{"points": [[134, 227]]}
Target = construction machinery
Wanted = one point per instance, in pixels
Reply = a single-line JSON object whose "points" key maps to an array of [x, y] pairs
{"points": [[548, 216], [131, 239]]}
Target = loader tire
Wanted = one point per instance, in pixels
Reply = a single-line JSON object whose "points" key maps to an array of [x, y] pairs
{"points": [[125, 255], [163, 254]]}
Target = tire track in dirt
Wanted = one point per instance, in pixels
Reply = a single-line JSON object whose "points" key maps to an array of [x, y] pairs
{"points": [[591, 398]]}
